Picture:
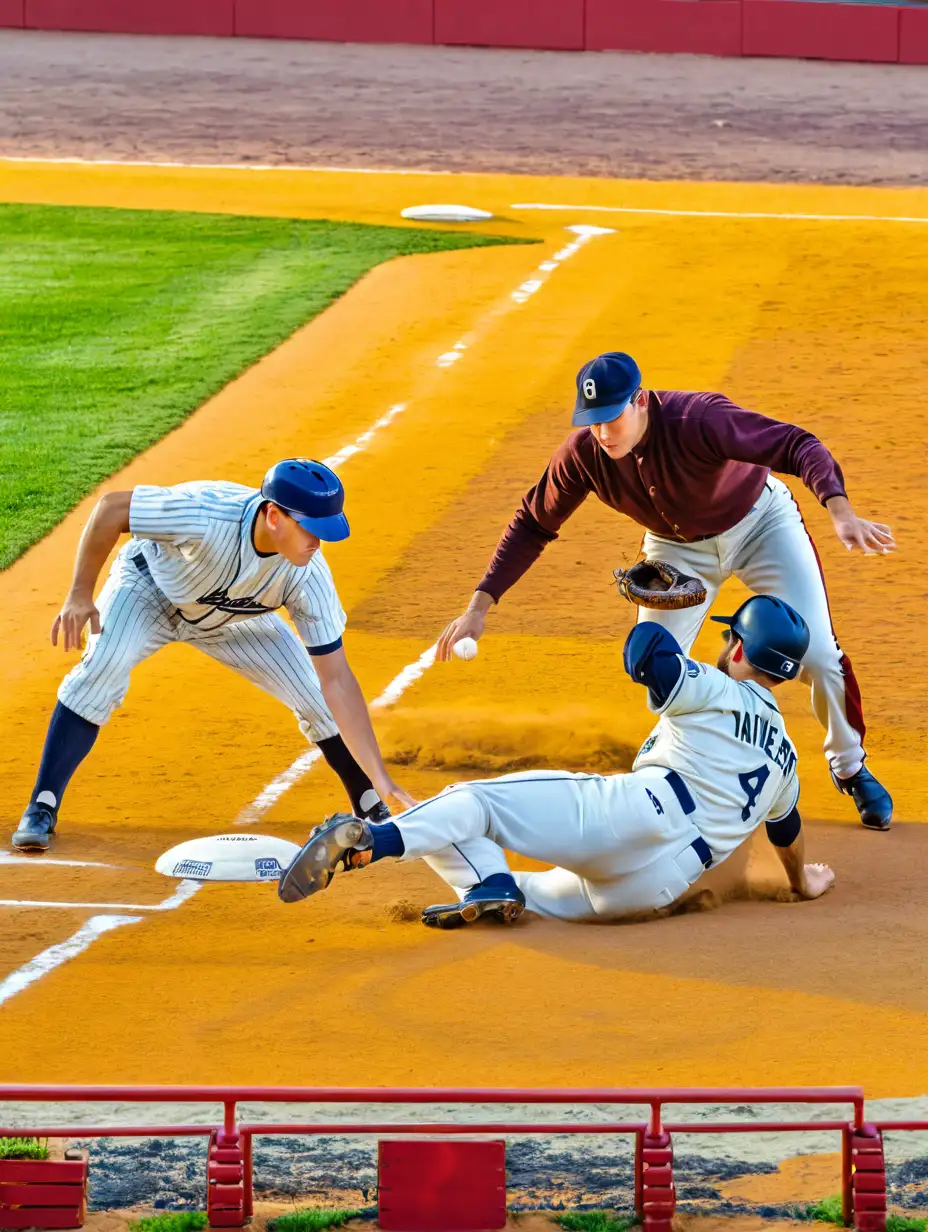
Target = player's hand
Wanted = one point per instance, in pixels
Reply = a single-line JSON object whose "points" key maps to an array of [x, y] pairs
{"points": [[870, 537], [78, 609], [388, 789], [471, 624], [818, 879]]}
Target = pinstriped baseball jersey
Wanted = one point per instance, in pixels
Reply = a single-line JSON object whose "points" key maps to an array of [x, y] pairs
{"points": [[197, 541]]}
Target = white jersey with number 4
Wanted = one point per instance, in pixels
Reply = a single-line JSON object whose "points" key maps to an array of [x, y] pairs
{"points": [[727, 740]]}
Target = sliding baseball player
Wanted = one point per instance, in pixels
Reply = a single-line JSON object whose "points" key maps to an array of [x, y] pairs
{"points": [[717, 765]]}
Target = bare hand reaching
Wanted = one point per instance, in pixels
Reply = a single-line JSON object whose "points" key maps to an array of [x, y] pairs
{"points": [[471, 624], [871, 538], [78, 609]]}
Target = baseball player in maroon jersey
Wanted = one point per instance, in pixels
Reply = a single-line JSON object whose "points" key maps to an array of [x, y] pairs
{"points": [[695, 470]]}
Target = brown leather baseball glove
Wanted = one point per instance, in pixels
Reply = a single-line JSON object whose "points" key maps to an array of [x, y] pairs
{"points": [[655, 584]]}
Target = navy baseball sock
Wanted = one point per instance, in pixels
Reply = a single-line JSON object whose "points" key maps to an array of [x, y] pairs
{"points": [[504, 882], [360, 789], [388, 842], [70, 738]]}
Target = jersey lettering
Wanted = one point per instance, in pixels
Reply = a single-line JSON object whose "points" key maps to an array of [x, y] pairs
{"points": [[654, 800], [763, 734], [247, 606]]}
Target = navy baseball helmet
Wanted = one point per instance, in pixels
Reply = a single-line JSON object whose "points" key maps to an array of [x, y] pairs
{"points": [[774, 635], [312, 494], [605, 386]]}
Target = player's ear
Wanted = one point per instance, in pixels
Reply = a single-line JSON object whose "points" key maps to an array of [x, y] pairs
{"points": [[738, 653]]}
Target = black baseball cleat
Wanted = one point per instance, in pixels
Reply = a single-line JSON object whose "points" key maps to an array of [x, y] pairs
{"points": [[503, 902], [874, 803], [36, 828], [340, 844]]}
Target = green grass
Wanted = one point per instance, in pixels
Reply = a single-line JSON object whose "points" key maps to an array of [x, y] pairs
{"points": [[829, 1211], [595, 1221], [116, 324], [173, 1221], [23, 1148], [903, 1223], [314, 1220]]}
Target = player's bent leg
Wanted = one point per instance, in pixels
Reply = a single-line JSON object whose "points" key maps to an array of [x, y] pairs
{"points": [[134, 623], [562, 895], [557, 894], [780, 559], [267, 652]]}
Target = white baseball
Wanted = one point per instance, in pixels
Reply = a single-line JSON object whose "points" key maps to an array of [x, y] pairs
{"points": [[466, 648]]}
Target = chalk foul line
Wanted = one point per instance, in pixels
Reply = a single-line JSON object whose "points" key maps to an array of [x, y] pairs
{"points": [[786, 217], [85, 936], [267, 798], [583, 234]]}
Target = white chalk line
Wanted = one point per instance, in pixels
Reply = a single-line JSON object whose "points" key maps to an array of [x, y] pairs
{"points": [[55, 955], [348, 451], [185, 890], [144, 162], [788, 217], [267, 798], [425, 171], [7, 857], [85, 936], [288, 778]]}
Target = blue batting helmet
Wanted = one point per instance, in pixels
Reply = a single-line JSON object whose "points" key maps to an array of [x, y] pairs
{"points": [[774, 635], [311, 493]]}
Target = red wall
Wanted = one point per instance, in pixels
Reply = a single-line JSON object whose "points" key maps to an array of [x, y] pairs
{"points": [[820, 31], [800, 28], [341, 21], [511, 23], [707, 27], [133, 16], [913, 36]]}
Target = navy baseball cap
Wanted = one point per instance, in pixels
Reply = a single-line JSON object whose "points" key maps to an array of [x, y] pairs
{"points": [[312, 494], [605, 387]]}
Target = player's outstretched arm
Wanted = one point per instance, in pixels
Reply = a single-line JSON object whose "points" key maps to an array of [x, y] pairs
{"points": [[109, 520], [349, 709], [805, 880]]}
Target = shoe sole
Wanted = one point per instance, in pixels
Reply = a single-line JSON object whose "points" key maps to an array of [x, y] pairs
{"points": [[30, 845], [505, 911], [314, 866]]}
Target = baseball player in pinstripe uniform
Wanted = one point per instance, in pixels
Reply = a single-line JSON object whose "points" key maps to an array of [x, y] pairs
{"points": [[210, 564], [694, 470]]}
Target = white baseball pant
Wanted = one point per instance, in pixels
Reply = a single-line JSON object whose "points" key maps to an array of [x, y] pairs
{"points": [[771, 551], [616, 853], [137, 620]]}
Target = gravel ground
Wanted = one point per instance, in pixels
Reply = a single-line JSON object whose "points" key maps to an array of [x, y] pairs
{"points": [[543, 1171], [610, 113]]}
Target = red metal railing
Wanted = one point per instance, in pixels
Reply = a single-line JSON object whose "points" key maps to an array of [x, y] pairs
{"points": [[229, 1170]]}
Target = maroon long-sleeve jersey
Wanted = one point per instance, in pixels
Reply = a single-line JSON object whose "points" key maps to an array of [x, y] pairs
{"points": [[698, 470]]}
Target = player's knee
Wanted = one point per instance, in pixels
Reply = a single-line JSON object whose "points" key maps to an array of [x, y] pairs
{"points": [[316, 727]]}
